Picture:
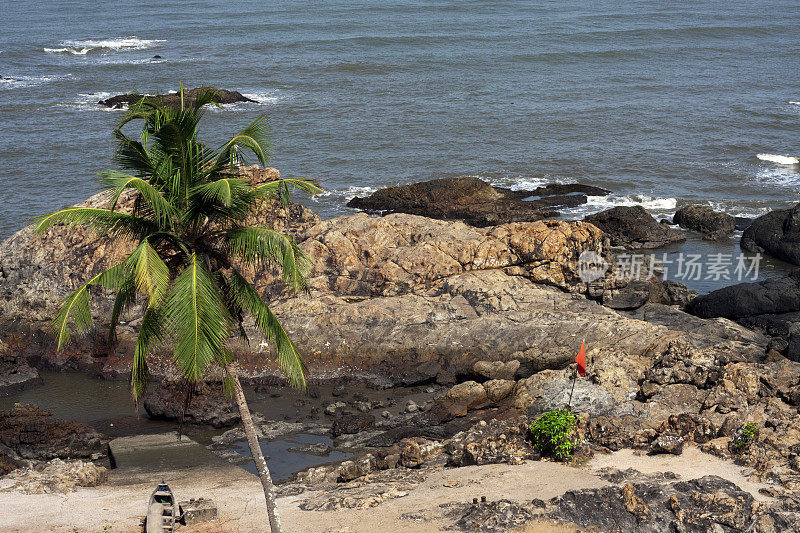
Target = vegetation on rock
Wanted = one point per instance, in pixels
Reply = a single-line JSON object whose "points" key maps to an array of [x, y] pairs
{"points": [[744, 436], [554, 434]]}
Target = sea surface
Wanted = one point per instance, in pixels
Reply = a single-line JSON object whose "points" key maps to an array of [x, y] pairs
{"points": [[664, 103]]}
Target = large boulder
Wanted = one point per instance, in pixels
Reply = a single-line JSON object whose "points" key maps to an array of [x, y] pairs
{"points": [[474, 201], [772, 295], [173, 99], [633, 227], [776, 233], [702, 218]]}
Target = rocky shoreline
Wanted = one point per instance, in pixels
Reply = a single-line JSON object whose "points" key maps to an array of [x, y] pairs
{"points": [[487, 317]]}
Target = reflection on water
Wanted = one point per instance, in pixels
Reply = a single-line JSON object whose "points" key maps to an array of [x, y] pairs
{"points": [[283, 462]]}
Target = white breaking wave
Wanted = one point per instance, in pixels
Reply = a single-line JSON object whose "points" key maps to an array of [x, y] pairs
{"points": [[794, 103], [780, 159], [84, 46], [348, 193], [658, 207], [262, 98], [90, 102], [17, 82]]}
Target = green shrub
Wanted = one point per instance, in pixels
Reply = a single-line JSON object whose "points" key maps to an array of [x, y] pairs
{"points": [[743, 437], [554, 434]]}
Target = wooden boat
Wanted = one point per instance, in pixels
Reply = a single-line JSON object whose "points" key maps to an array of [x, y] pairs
{"points": [[162, 511]]}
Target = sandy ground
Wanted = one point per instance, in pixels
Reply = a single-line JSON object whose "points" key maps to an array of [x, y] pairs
{"points": [[119, 505]]}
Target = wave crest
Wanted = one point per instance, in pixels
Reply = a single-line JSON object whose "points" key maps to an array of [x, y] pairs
{"points": [[84, 46], [780, 159]]}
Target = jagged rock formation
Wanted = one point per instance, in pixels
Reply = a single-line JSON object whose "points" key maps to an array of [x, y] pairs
{"points": [[174, 99], [475, 201], [776, 233]]}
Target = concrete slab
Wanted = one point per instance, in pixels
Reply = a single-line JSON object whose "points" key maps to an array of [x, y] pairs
{"points": [[149, 455]]}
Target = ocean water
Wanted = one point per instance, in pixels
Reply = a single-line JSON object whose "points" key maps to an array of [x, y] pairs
{"points": [[664, 103]]}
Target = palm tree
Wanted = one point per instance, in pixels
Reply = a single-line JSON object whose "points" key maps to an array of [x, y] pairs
{"points": [[189, 221]]}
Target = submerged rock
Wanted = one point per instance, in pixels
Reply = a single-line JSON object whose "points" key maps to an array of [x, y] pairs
{"points": [[710, 223], [475, 201], [634, 228]]}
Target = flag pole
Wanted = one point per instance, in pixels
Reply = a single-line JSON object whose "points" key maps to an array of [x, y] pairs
{"points": [[574, 378]]}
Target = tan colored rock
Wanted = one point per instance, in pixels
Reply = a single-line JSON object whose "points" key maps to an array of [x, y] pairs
{"points": [[57, 476], [463, 397], [496, 369], [497, 389]]}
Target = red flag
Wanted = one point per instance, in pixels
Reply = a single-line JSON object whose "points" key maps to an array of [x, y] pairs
{"points": [[581, 359]]}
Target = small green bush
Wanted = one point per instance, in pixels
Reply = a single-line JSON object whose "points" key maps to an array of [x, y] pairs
{"points": [[743, 437], [554, 434]]}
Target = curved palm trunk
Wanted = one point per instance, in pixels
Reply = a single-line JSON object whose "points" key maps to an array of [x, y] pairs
{"points": [[255, 450]]}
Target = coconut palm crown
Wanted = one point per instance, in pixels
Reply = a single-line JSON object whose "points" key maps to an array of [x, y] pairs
{"points": [[189, 218]]}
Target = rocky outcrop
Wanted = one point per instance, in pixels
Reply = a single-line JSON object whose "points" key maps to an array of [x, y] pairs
{"points": [[174, 99], [709, 503], [475, 201], [15, 372], [770, 296], [55, 476], [776, 233], [31, 433], [205, 403], [634, 228], [701, 218]]}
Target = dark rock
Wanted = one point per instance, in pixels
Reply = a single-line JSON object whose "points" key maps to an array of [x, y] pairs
{"points": [[700, 505], [174, 99], [156, 57], [557, 189], [776, 233], [710, 223], [497, 516], [667, 443], [15, 373], [350, 424], [473, 200], [772, 295], [632, 295], [634, 228], [678, 294], [742, 223], [31, 433], [208, 404]]}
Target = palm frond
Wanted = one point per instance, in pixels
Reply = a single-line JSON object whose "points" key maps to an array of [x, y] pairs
{"points": [[255, 138], [125, 297], [103, 220], [197, 319], [289, 358], [262, 245], [149, 331], [151, 273], [76, 307], [164, 212]]}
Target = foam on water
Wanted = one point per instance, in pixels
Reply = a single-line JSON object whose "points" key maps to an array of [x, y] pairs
{"points": [[90, 102], [794, 103], [784, 177], [84, 46], [780, 159], [346, 194], [658, 207], [18, 82]]}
